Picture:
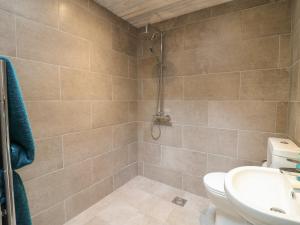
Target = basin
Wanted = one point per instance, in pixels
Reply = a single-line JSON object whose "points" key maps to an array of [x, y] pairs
{"points": [[263, 196]]}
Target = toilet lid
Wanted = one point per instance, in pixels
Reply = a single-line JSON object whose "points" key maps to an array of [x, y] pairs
{"points": [[215, 182]]}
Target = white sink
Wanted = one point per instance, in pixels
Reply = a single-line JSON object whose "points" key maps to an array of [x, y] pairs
{"points": [[254, 191]]}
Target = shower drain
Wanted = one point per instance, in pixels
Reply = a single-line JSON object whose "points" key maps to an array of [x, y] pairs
{"points": [[179, 201], [278, 210]]}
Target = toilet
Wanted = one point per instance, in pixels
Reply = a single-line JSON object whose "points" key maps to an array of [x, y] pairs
{"points": [[281, 153]]}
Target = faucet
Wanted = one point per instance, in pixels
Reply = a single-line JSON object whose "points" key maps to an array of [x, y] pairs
{"points": [[291, 172]]}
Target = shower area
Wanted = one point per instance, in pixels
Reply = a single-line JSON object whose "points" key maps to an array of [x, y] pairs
{"points": [[154, 37], [128, 114]]}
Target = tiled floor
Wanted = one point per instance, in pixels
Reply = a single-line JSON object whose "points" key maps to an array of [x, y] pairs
{"points": [[143, 202]]}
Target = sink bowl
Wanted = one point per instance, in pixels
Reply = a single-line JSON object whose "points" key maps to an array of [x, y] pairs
{"points": [[263, 196]]}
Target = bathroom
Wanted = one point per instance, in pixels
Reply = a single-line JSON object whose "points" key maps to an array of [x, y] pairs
{"points": [[132, 103]]}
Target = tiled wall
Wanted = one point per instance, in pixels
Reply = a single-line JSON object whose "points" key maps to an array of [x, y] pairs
{"points": [[226, 89], [294, 106], [77, 67]]}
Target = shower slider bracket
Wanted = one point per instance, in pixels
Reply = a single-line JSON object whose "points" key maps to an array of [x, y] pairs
{"points": [[164, 120]]}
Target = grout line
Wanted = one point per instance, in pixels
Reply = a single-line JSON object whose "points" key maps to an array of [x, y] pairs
{"points": [[51, 207], [279, 51], [16, 36]]}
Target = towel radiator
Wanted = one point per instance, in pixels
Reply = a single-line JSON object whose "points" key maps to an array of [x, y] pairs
{"points": [[9, 212]]}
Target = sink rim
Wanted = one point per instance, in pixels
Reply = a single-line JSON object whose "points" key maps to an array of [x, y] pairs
{"points": [[254, 214]]}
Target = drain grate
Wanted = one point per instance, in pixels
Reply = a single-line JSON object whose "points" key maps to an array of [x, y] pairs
{"points": [[179, 201], [278, 210]]}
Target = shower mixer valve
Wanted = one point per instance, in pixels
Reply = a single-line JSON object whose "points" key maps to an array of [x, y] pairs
{"points": [[164, 120]]}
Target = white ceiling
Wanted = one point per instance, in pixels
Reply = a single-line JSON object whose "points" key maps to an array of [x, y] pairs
{"points": [[142, 12]]}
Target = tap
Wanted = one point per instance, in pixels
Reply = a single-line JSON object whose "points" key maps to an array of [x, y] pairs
{"points": [[290, 171], [295, 172]]}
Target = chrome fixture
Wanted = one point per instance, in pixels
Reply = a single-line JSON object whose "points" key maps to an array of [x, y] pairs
{"points": [[9, 212], [290, 171], [152, 34]]}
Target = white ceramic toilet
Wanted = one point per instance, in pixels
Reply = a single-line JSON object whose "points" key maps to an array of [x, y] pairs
{"points": [[224, 214], [281, 153]]}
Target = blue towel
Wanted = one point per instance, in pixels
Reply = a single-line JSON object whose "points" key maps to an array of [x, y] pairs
{"points": [[22, 144]]}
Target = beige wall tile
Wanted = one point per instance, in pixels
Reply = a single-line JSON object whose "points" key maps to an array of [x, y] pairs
{"points": [[169, 135], [55, 118], [80, 22], [7, 34], [132, 111], [132, 67], [216, 29], [38, 81], [48, 158], [295, 42], [41, 43], [174, 40], [212, 87], [133, 153], [292, 120], [183, 160], [295, 11], [245, 55], [109, 113], [265, 85], [146, 110], [40, 192], [150, 153], [141, 169], [163, 175], [210, 140], [7, 5], [285, 50], [188, 112], [83, 85], [282, 117], [247, 115], [188, 62], [123, 41], [252, 146], [294, 82], [260, 53], [108, 61], [82, 145], [124, 89], [84, 199], [55, 214], [217, 163], [109, 164], [125, 175], [173, 89], [125, 134], [120, 158], [103, 166], [266, 20], [147, 67], [294, 125], [77, 177], [194, 185], [41, 11]]}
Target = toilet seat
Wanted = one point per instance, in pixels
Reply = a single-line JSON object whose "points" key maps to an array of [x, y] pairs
{"points": [[214, 183], [224, 214]]}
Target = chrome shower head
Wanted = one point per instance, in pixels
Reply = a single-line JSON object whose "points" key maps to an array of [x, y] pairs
{"points": [[150, 33]]}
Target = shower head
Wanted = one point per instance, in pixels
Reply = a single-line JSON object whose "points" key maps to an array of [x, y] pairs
{"points": [[150, 33]]}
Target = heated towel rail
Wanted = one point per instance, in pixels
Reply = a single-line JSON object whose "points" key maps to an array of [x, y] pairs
{"points": [[9, 211]]}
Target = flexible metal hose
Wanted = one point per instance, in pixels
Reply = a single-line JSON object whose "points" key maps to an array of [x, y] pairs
{"points": [[152, 131]]}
